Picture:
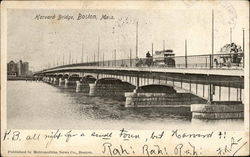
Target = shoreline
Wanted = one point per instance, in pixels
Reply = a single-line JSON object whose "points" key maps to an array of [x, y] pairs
{"points": [[19, 78]]}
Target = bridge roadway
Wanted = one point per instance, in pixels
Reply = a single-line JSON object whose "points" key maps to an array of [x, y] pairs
{"points": [[196, 71], [219, 77]]}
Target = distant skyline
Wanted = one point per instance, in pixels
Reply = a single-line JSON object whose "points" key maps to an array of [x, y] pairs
{"points": [[45, 41]]}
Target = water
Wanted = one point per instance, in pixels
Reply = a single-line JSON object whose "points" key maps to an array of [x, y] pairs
{"points": [[37, 105]]}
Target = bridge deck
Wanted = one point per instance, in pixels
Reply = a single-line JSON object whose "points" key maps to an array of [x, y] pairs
{"points": [[220, 72]]}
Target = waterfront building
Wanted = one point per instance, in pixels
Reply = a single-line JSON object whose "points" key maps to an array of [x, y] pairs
{"points": [[25, 69], [18, 69], [12, 69]]}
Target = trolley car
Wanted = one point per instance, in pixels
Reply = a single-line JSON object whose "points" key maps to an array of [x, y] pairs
{"points": [[164, 58]]}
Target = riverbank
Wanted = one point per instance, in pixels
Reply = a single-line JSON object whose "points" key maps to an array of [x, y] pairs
{"points": [[11, 78]]}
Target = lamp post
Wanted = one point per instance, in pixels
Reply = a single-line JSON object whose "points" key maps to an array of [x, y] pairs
{"points": [[152, 50], [185, 53], [212, 56], [243, 46], [163, 44], [82, 54], [115, 56], [98, 51], [230, 35], [63, 59], [136, 46], [130, 57]]}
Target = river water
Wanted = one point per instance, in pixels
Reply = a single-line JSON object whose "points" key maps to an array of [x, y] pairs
{"points": [[38, 105]]}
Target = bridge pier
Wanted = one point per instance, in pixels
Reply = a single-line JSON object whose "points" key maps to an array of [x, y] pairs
{"points": [[160, 96], [51, 80], [66, 85], [92, 89], [109, 87], [78, 86], [55, 81], [61, 82], [218, 110], [70, 82], [46, 79], [82, 85]]}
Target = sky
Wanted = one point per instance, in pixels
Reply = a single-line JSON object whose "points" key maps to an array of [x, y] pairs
{"points": [[47, 41]]}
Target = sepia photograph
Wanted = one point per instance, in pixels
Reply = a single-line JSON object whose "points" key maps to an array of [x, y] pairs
{"points": [[106, 65]]}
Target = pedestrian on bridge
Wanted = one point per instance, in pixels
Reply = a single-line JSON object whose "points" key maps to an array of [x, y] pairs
{"points": [[216, 62]]}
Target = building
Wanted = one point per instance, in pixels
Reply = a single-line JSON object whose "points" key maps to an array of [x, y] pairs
{"points": [[25, 69], [12, 69], [18, 69]]}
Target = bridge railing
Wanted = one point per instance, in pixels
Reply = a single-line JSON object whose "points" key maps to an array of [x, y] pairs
{"points": [[217, 61]]}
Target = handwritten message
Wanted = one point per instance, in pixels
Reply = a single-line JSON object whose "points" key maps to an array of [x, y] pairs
{"points": [[124, 142]]}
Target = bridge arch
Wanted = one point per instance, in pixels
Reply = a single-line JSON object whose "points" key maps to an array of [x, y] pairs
{"points": [[74, 75], [110, 87], [88, 79], [115, 81], [157, 88], [66, 76], [89, 76], [60, 75], [108, 80]]}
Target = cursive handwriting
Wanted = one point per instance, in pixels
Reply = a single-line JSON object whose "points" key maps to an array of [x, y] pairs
{"points": [[234, 146], [53, 135], [175, 133], [126, 135], [130, 143], [12, 135], [111, 150], [186, 150], [107, 135], [153, 151]]}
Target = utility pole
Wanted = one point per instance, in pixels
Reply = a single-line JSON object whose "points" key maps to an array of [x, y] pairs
{"points": [[186, 53], [63, 58], [69, 57], [115, 57], [243, 40], [82, 54], [243, 46], [103, 59], [163, 45], [212, 57], [136, 46], [98, 51], [152, 50], [130, 57], [210, 87], [231, 35]]}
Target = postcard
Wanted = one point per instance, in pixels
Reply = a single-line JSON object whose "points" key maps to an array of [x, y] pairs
{"points": [[124, 78]]}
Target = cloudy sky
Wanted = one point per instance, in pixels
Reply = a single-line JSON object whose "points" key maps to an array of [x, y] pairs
{"points": [[46, 41]]}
